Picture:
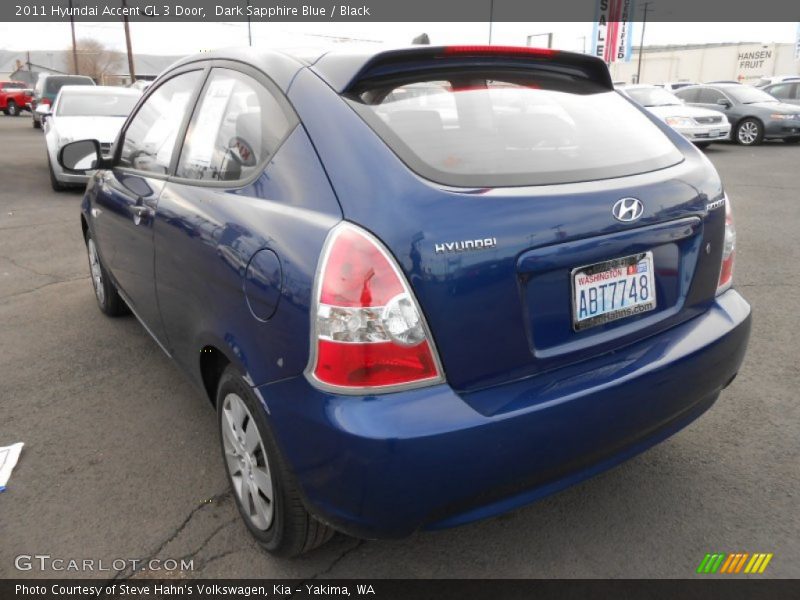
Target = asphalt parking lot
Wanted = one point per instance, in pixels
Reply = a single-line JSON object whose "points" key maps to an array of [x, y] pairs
{"points": [[121, 455]]}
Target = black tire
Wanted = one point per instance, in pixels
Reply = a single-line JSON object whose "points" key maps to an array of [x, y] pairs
{"points": [[792, 140], [36, 124], [105, 292], [749, 132], [292, 530], [54, 183], [12, 110]]}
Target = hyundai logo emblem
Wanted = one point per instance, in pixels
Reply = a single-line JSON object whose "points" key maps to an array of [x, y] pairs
{"points": [[627, 210]]}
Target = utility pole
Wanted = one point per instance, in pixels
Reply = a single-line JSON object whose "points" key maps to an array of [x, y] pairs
{"points": [[491, 19], [641, 44], [28, 61], [74, 44], [249, 31], [128, 41]]}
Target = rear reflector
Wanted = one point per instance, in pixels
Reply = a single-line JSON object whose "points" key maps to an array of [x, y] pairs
{"points": [[369, 334]]}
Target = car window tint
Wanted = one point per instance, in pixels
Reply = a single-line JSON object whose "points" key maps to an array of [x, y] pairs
{"points": [[710, 96], [497, 128], [783, 90], [237, 126], [688, 94], [150, 137]]}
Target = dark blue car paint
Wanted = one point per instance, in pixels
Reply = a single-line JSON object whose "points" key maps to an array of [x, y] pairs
{"points": [[529, 405]]}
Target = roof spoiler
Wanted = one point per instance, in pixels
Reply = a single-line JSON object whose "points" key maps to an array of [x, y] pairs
{"points": [[344, 70]]}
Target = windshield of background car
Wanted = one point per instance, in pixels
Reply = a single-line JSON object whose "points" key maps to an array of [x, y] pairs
{"points": [[53, 84], [653, 97], [471, 128], [749, 95], [95, 105]]}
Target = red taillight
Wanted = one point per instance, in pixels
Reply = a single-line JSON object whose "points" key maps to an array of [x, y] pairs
{"points": [[728, 251], [45, 101], [504, 50], [369, 333]]}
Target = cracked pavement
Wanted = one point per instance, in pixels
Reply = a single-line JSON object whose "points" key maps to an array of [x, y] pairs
{"points": [[122, 460]]}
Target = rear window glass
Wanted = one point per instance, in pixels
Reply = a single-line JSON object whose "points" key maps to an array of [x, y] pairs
{"points": [[478, 129], [53, 84]]}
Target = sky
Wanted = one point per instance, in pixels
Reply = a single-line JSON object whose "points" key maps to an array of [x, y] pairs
{"points": [[188, 38]]}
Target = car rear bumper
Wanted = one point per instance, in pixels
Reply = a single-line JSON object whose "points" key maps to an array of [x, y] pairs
{"points": [[384, 466]]}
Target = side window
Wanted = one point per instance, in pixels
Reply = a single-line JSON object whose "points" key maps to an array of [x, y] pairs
{"points": [[782, 91], [688, 95], [710, 96], [150, 137], [236, 128]]}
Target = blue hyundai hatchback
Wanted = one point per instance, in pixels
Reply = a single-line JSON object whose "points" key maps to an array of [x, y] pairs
{"points": [[420, 286]]}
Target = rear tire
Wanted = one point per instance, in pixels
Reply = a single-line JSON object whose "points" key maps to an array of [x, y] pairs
{"points": [[265, 491], [105, 292], [12, 110], [36, 124], [792, 140], [749, 132]]}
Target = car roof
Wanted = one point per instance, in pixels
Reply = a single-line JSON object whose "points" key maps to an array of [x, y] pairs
{"points": [[100, 90]]}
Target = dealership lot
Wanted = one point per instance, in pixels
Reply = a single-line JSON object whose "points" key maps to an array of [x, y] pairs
{"points": [[122, 462]]}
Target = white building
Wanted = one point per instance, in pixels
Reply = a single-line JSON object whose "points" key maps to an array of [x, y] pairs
{"points": [[745, 62]]}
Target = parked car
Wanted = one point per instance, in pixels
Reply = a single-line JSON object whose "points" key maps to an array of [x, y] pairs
{"points": [[80, 111], [700, 125], [438, 323], [671, 86], [47, 88], [15, 96], [754, 115], [769, 80], [787, 92]]}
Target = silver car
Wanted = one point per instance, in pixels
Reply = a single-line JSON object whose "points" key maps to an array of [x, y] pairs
{"points": [[83, 112], [700, 125]]}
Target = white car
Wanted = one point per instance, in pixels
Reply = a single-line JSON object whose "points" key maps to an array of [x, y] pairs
{"points": [[769, 80], [83, 112], [700, 125]]}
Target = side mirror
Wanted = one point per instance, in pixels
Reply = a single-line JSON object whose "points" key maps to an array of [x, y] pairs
{"points": [[82, 156], [724, 103], [43, 110]]}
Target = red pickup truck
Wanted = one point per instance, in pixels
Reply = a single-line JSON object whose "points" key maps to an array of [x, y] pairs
{"points": [[15, 96]]}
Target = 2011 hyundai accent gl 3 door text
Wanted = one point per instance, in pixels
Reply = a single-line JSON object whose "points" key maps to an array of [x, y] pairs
{"points": [[420, 286]]}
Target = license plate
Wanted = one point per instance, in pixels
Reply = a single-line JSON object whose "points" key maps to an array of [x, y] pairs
{"points": [[612, 290]]}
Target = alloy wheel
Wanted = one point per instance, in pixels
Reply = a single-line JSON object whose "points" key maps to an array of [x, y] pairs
{"points": [[248, 467], [748, 133]]}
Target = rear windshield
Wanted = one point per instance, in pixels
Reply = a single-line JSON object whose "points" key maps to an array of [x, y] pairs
{"points": [[81, 104], [53, 84], [480, 129]]}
